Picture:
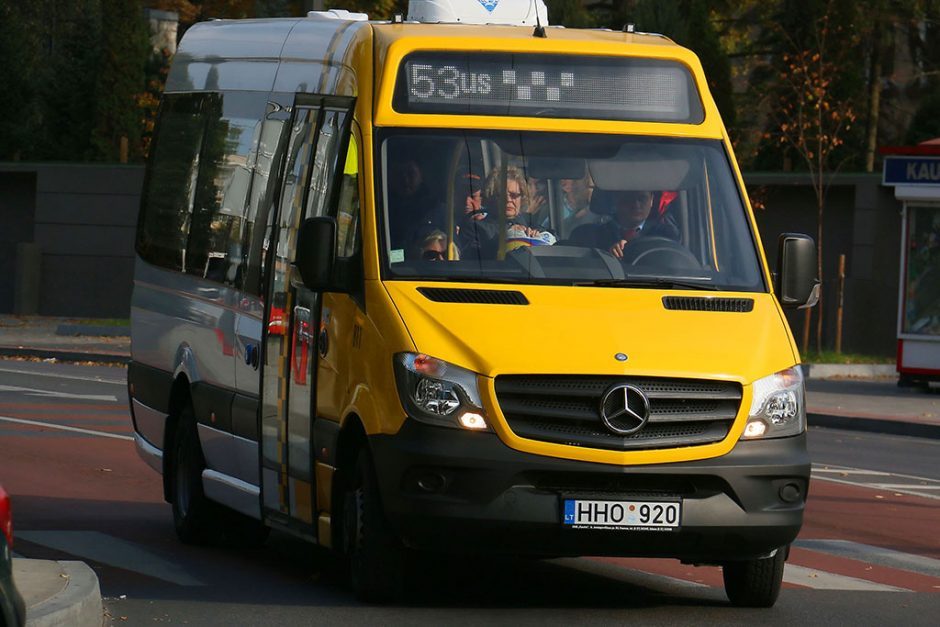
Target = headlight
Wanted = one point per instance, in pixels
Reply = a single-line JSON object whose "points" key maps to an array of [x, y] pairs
{"points": [[439, 393], [778, 408]]}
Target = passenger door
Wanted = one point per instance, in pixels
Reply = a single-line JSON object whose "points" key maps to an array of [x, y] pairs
{"points": [[318, 135]]}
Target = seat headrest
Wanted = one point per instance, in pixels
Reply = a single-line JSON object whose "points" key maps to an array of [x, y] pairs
{"points": [[603, 202]]}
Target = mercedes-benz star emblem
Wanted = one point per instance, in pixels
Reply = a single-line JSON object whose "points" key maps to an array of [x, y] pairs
{"points": [[624, 409]]}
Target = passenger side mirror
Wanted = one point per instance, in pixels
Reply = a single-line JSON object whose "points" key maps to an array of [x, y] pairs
{"points": [[316, 253], [796, 284]]}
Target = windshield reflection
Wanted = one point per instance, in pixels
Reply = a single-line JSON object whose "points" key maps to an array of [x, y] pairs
{"points": [[618, 211]]}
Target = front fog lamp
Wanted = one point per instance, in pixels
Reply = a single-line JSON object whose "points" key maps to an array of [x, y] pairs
{"points": [[439, 393], [777, 406]]}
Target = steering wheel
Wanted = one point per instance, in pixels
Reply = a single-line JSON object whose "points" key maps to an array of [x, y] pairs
{"points": [[659, 252]]}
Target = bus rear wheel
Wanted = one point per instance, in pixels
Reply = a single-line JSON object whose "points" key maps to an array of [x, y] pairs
{"points": [[193, 513], [376, 555], [756, 582]]}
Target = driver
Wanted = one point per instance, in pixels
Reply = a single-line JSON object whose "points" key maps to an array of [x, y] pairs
{"points": [[630, 220]]}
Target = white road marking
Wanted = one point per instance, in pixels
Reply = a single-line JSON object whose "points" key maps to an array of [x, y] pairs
{"points": [[112, 551], [50, 425], [50, 393], [915, 486], [63, 376], [874, 555], [850, 471], [821, 580]]}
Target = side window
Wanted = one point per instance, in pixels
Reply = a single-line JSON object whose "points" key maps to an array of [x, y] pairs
{"points": [[325, 160], [296, 173], [268, 150], [347, 214], [221, 208], [167, 202]]}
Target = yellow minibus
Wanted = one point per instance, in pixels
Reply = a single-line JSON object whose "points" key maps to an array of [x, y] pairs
{"points": [[464, 282]]}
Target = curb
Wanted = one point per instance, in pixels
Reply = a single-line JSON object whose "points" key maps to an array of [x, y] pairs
{"points": [[875, 425], [64, 355], [95, 330], [78, 603], [853, 371]]}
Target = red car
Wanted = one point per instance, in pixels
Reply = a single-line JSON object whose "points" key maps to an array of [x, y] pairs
{"points": [[12, 608]]}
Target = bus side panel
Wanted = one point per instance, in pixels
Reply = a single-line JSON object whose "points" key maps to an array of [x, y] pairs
{"points": [[184, 326]]}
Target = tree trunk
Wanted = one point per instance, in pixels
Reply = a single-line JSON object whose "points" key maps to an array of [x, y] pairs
{"points": [[820, 199], [874, 98]]}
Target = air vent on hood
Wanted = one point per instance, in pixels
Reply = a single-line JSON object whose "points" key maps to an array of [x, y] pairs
{"points": [[703, 303], [486, 297]]}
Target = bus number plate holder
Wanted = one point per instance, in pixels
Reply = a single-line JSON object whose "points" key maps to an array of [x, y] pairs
{"points": [[622, 515]]}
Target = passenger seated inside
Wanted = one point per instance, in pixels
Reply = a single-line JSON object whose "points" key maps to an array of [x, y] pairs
{"points": [[576, 204], [430, 245], [410, 201], [630, 220], [478, 235]]}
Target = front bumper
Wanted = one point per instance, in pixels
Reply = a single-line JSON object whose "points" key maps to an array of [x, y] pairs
{"points": [[445, 489]]}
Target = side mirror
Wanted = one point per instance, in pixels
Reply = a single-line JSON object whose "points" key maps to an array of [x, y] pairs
{"points": [[316, 253], [796, 284]]}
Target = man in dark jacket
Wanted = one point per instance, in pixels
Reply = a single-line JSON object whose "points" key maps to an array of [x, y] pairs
{"points": [[630, 219]]}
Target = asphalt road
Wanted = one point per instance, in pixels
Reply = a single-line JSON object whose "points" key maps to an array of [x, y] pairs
{"points": [[869, 553]]}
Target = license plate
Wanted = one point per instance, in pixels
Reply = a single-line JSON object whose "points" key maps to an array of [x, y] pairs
{"points": [[625, 515]]}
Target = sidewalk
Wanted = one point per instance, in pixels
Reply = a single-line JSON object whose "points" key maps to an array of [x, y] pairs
{"points": [[863, 398], [58, 593], [36, 336]]}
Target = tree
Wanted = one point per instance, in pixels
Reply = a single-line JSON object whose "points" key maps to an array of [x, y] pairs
{"points": [[69, 93], [570, 13], [811, 121], [121, 77], [20, 75]]}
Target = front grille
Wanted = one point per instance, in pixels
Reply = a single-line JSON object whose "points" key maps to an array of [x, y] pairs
{"points": [[566, 410]]}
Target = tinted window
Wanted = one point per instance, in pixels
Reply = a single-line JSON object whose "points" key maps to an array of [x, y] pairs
{"points": [[167, 201], [525, 207], [221, 205]]}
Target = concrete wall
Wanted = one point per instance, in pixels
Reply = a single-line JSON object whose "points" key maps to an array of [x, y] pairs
{"points": [[862, 220], [83, 218], [83, 221], [17, 201]]}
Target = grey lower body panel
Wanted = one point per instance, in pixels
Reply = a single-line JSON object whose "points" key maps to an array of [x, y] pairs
{"points": [[486, 497]]}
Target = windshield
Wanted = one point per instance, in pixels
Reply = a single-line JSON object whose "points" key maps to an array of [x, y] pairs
{"points": [[557, 208]]}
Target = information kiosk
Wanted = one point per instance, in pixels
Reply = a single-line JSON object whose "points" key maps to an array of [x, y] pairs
{"points": [[914, 172]]}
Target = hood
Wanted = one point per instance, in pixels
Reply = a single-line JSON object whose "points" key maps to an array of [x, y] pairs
{"points": [[579, 330]]}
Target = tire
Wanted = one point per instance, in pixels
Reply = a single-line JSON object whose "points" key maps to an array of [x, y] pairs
{"points": [[375, 554], [755, 583], [194, 516]]}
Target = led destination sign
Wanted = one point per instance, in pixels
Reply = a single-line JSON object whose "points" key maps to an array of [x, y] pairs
{"points": [[561, 86]]}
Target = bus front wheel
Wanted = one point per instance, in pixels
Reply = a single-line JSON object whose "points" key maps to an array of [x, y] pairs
{"points": [[376, 556], [756, 582], [192, 511]]}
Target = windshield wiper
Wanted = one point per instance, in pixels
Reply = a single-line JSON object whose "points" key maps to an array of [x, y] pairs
{"points": [[652, 282]]}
